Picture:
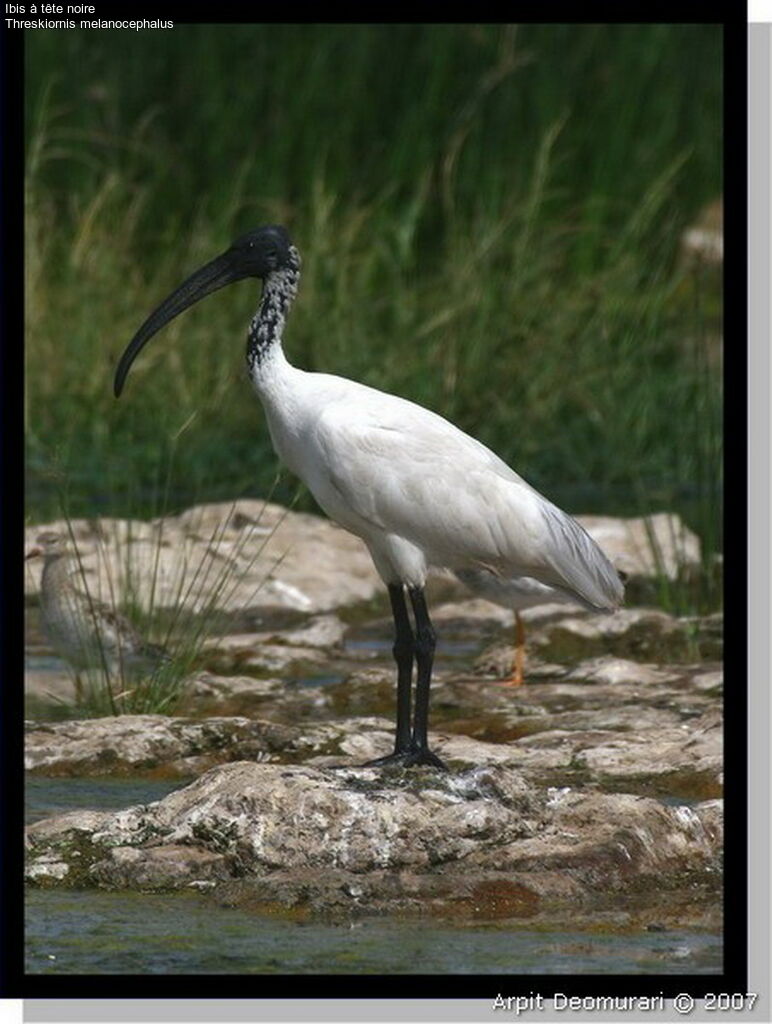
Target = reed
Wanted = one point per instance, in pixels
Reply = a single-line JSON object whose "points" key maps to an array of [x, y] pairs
{"points": [[179, 609]]}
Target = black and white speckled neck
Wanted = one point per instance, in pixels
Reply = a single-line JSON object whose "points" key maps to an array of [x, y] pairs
{"points": [[265, 331]]}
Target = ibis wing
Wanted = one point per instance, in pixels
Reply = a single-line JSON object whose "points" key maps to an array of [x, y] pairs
{"points": [[399, 468], [576, 564]]}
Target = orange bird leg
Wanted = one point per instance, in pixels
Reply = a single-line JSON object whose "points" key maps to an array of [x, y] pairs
{"points": [[516, 678]]}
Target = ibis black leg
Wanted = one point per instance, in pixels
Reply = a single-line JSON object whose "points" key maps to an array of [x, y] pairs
{"points": [[403, 655], [411, 745], [403, 651], [425, 642]]}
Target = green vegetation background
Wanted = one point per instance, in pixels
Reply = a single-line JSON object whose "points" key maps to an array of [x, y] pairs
{"points": [[489, 218]]}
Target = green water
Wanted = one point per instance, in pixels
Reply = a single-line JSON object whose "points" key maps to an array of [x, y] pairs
{"points": [[93, 932], [46, 797], [107, 932]]}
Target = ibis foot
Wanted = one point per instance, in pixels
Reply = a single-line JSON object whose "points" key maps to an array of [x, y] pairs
{"points": [[519, 667], [407, 759], [516, 679]]}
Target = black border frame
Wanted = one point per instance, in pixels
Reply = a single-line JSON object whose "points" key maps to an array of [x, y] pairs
{"points": [[15, 983]]}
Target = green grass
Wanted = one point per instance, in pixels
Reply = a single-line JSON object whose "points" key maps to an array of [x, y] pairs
{"points": [[489, 219]]}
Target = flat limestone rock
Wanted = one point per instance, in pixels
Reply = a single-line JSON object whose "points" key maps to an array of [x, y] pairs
{"points": [[127, 744], [244, 652], [474, 609], [320, 633], [609, 669], [272, 699], [695, 750], [562, 795], [640, 634], [663, 755], [477, 843], [153, 745]]}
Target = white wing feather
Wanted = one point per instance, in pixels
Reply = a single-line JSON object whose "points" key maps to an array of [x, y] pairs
{"points": [[386, 464]]}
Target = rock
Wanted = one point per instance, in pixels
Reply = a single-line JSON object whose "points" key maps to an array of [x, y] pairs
{"points": [[365, 692], [47, 868], [475, 611], [673, 761], [709, 682], [291, 652], [631, 642], [609, 669], [519, 723], [631, 633], [563, 696], [155, 745], [232, 556], [647, 750], [542, 613], [555, 799], [497, 662], [477, 844], [273, 699], [695, 749], [280, 817], [159, 867], [323, 631], [241, 652], [126, 744]]}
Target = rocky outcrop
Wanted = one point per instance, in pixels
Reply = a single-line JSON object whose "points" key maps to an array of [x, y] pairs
{"points": [[300, 649], [648, 752], [150, 744], [593, 787], [479, 843], [648, 727], [638, 633]]}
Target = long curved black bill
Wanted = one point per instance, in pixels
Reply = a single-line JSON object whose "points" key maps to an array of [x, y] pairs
{"points": [[207, 279]]}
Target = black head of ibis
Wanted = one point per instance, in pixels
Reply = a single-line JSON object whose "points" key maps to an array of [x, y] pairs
{"points": [[258, 254]]}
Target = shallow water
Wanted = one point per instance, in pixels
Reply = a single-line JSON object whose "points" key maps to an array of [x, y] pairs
{"points": [[95, 932], [50, 699], [107, 932], [46, 797]]}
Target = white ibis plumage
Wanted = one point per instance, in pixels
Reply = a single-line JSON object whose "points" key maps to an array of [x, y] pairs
{"points": [[419, 492]]}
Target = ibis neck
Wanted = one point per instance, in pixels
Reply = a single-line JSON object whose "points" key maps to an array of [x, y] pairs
{"points": [[267, 326]]}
